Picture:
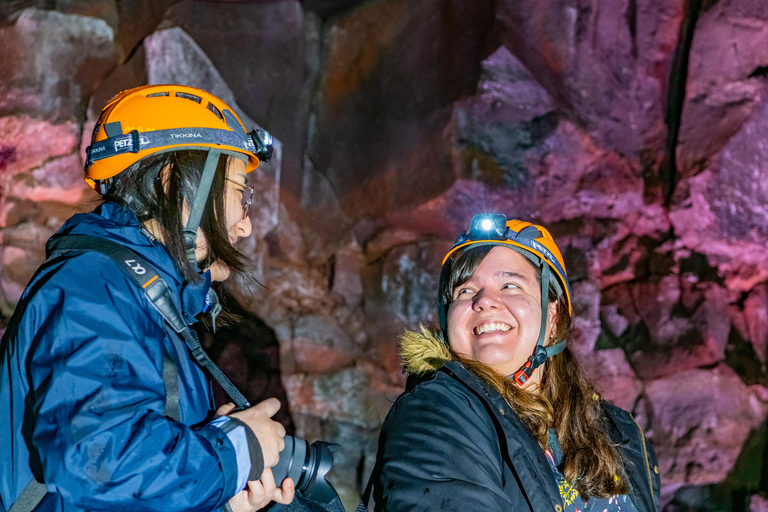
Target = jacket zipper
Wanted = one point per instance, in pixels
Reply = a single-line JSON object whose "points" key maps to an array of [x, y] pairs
{"points": [[645, 454]]}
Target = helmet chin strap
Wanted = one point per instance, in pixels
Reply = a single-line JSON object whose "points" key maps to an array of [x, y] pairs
{"points": [[198, 205], [542, 353]]}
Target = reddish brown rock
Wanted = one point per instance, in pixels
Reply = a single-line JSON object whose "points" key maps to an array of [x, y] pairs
{"points": [[393, 70], [346, 275], [756, 321], [137, 20], [315, 344], [700, 421], [269, 55], [27, 143], [352, 396], [52, 62]]}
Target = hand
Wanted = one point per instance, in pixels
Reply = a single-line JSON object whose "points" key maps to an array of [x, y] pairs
{"points": [[269, 433], [259, 493]]}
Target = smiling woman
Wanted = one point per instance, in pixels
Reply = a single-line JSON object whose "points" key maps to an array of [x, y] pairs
{"points": [[496, 415]]}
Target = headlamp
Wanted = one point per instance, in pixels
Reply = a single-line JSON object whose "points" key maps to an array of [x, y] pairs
{"points": [[262, 139], [488, 226]]}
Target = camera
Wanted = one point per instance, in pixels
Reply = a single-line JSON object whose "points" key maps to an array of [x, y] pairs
{"points": [[307, 464]]}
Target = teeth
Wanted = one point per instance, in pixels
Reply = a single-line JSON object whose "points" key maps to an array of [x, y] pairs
{"points": [[490, 327]]}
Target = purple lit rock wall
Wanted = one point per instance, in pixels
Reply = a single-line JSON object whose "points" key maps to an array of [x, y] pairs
{"points": [[634, 129]]}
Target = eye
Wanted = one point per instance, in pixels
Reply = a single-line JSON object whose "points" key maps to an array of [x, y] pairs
{"points": [[462, 291], [510, 286]]}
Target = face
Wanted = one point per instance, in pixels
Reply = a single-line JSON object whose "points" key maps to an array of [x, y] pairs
{"points": [[237, 225], [495, 317]]}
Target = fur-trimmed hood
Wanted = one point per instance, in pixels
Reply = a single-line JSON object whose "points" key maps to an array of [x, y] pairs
{"points": [[423, 351]]}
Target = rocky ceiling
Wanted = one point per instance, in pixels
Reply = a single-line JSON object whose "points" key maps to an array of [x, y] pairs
{"points": [[635, 129]]}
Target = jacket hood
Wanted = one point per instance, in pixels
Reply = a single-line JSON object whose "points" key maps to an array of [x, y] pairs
{"points": [[423, 351]]}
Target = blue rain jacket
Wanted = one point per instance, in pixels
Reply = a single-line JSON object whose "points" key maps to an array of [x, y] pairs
{"points": [[82, 392]]}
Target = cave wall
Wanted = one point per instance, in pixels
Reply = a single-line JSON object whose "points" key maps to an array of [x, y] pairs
{"points": [[634, 129]]}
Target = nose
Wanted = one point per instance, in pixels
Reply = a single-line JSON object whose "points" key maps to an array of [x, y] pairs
{"points": [[244, 227], [485, 300]]}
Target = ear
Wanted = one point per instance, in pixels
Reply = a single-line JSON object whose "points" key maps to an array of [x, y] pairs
{"points": [[552, 318]]}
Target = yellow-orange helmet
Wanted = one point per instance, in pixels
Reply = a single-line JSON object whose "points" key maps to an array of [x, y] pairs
{"points": [[158, 118], [533, 239], [535, 243]]}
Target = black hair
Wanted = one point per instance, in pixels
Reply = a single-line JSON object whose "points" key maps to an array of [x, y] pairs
{"points": [[151, 193]]}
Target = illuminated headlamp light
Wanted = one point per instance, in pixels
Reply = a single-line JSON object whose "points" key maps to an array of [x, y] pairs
{"points": [[488, 226], [262, 139]]}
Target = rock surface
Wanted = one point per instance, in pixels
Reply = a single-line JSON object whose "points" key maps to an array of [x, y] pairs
{"points": [[399, 120]]}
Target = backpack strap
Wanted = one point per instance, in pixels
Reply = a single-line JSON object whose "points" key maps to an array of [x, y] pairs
{"points": [[30, 497]]}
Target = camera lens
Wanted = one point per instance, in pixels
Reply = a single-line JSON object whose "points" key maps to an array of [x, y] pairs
{"points": [[307, 465]]}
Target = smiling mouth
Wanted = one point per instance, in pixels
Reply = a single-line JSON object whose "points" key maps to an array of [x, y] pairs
{"points": [[491, 327]]}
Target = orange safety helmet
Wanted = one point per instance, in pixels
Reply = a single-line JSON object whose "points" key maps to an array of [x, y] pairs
{"points": [[157, 118], [535, 243]]}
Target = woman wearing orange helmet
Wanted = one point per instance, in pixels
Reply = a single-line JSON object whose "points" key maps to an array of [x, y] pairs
{"points": [[106, 404], [496, 415]]}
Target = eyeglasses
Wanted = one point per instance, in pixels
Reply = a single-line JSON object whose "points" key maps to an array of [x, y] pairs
{"points": [[247, 196]]}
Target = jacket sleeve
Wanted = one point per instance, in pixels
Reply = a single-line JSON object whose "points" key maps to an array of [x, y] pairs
{"points": [[97, 394], [438, 450]]}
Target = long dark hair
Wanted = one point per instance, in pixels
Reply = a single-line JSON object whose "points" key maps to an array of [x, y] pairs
{"points": [[566, 401], [152, 193]]}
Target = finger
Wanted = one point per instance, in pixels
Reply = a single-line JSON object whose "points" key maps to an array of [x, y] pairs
{"points": [[280, 444], [270, 406], [268, 481], [255, 493], [280, 430], [284, 494], [225, 409]]}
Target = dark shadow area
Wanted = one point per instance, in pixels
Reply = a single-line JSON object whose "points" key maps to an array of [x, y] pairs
{"points": [[247, 351]]}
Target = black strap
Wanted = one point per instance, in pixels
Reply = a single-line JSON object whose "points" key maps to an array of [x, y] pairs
{"points": [[363, 505], [198, 205], [171, 380], [146, 276]]}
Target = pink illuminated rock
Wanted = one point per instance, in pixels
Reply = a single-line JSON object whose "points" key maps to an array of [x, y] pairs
{"points": [[25, 143], [758, 504], [700, 421], [610, 372], [606, 64], [659, 340], [723, 215], [719, 99]]}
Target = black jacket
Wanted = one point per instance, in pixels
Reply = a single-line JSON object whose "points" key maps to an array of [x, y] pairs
{"points": [[451, 442]]}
